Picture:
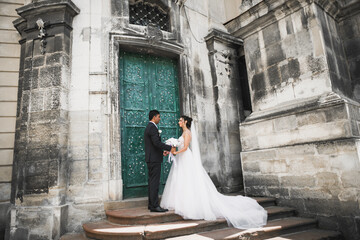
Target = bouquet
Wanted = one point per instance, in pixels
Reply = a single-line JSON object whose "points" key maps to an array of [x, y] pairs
{"points": [[173, 142]]}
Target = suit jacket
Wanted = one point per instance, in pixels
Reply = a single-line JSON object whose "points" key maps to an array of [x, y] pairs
{"points": [[153, 146]]}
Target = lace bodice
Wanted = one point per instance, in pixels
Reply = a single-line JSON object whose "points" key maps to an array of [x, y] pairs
{"points": [[182, 140]]}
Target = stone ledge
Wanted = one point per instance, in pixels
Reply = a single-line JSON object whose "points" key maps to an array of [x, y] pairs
{"points": [[297, 106], [74, 10], [267, 12]]}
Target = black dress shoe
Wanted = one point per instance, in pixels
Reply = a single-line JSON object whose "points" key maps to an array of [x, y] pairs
{"points": [[158, 209]]}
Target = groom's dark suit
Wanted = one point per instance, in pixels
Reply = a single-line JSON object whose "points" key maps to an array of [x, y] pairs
{"points": [[153, 156]]}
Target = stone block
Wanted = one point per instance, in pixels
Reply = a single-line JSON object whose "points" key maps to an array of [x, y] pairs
{"points": [[9, 36], [350, 194], [248, 143], [285, 123], [57, 58], [257, 191], [9, 79], [296, 151], [20, 234], [310, 118], [251, 167], [273, 166], [344, 161], [38, 61], [291, 50], [9, 50], [260, 180], [296, 203], [310, 193], [8, 94], [258, 82], [5, 173], [50, 76], [7, 140], [274, 54], [78, 172], [9, 64], [7, 125], [298, 181], [278, 192], [6, 156], [327, 180], [259, 155], [271, 34], [274, 76], [5, 189], [351, 178], [291, 70]]}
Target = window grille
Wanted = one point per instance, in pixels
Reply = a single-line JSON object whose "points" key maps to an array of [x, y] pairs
{"points": [[144, 13]]}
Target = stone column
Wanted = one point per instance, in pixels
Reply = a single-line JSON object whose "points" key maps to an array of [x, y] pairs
{"points": [[223, 57], [40, 159]]}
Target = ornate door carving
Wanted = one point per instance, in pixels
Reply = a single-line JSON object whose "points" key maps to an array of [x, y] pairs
{"points": [[146, 82]]}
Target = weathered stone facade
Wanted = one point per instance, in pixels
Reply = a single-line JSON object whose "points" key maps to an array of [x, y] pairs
{"points": [[301, 143], [286, 72], [67, 156]]}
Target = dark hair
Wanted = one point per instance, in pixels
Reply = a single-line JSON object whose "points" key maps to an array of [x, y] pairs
{"points": [[153, 113], [188, 120]]}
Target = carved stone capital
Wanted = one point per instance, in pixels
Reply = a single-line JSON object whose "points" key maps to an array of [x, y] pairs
{"points": [[52, 12]]}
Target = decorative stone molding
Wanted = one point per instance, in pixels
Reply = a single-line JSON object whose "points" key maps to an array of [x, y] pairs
{"points": [[266, 12]]}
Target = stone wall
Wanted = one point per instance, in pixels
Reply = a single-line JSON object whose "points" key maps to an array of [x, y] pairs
{"points": [[298, 160], [301, 142], [9, 68]]}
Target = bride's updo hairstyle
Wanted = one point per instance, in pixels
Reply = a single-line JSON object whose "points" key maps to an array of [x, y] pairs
{"points": [[188, 121]]}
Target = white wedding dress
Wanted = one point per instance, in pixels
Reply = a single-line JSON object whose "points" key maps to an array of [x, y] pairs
{"points": [[190, 192]]}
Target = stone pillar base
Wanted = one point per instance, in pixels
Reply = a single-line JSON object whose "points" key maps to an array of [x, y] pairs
{"points": [[46, 222]]}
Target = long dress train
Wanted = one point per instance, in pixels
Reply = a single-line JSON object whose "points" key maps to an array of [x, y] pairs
{"points": [[190, 192]]}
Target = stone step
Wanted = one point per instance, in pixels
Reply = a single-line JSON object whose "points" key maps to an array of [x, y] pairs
{"points": [[276, 212], [194, 229], [142, 216], [74, 236], [272, 229], [128, 203], [311, 234], [265, 201], [142, 202], [105, 230]]}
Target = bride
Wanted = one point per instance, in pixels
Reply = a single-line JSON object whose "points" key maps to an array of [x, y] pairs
{"points": [[190, 192]]}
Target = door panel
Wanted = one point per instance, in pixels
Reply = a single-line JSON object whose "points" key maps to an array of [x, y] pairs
{"points": [[146, 82]]}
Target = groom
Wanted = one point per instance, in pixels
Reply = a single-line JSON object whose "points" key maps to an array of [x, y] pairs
{"points": [[154, 156]]}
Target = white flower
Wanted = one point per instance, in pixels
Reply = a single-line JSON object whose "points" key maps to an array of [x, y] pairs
{"points": [[173, 142], [160, 131]]}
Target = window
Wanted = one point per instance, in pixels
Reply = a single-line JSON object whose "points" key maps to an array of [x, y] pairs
{"points": [[145, 13]]}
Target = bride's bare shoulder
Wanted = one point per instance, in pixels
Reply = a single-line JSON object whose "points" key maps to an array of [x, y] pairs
{"points": [[187, 132]]}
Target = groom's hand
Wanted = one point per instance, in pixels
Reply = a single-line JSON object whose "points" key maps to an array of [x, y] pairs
{"points": [[173, 149], [165, 153]]}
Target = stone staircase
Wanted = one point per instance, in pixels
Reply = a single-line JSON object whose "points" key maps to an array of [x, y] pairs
{"points": [[132, 220]]}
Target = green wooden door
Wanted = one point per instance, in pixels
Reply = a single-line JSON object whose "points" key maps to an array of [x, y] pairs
{"points": [[146, 82]]}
